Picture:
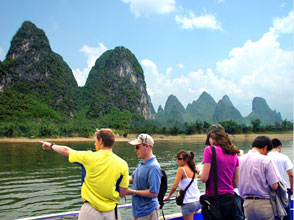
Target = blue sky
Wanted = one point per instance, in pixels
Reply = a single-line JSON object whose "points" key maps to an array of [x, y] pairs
{"points": [[238, 48]]}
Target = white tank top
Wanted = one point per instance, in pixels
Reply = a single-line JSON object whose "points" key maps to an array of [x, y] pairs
{"points": [[192, 193]]}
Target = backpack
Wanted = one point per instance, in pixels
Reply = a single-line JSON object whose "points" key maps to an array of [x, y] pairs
{"points": [[162, 189]]}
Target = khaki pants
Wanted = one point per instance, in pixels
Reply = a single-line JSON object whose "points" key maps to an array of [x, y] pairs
{"points": [[87, 212], [258, 209], [152, 216]]}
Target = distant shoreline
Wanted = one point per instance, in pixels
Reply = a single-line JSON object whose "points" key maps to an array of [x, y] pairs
{"points": [[156, 137]]}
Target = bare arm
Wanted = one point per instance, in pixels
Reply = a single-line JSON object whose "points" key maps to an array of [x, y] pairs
{"points": [[290, 174], [204, 174], [176, 183], [122, 192], [236, 177], [144, 193], [63, 150], [130, 180], [274, 186]]}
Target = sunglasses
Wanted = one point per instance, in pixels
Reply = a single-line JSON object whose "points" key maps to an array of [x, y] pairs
{"points": [[180, 158], [137, 147]]}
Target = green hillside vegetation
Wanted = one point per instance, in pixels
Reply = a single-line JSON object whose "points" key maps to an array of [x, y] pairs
{"points": [[202, 109], [173, 110], [106, 89], [225, 111], [39, 97]]}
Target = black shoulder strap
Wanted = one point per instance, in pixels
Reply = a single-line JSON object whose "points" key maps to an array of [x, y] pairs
{"points": [[214, 169]]}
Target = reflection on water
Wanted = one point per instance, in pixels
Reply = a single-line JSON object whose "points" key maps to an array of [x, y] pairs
{"points": [[34, 182]]}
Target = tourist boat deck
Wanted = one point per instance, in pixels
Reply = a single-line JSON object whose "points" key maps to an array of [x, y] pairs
{"points": [[74, 214]]}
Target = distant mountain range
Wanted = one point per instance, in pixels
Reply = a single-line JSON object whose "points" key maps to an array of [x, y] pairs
{"points": [[206, 109], [35, 79]]}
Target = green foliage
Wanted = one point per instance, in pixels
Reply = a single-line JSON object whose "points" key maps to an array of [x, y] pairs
{"points": [[15, 106], [231, 127], [41, 98], [110, 84], [255, 125], [118, 119]]}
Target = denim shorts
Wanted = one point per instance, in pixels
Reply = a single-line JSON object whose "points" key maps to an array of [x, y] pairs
{"points": [[189, 208]]}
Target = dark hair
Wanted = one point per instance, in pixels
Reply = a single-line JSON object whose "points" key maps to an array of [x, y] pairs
{"points": [[107, 137], [262, 141], [222, 139], [276, 142], [190, 156]]}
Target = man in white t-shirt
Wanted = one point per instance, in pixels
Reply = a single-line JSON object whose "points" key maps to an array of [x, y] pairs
{"points": [[284, 166]]}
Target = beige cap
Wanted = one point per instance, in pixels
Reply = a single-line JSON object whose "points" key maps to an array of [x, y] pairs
{"points": [[143, 139]]}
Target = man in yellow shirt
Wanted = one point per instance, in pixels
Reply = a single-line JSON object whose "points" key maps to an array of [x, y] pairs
{"points": [[105, 176]]}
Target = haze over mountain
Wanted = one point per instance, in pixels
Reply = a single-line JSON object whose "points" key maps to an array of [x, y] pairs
{"points": [[225, 111], [261, 111], [203, 108], [206, 109]]}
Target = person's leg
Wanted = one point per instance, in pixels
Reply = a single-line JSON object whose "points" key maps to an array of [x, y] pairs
{"points": [[152, 216], [189, 217], [263, 209], [249, 210], [87, 212], [188, 209], [111, 215], [288, 217], [239, 207]]}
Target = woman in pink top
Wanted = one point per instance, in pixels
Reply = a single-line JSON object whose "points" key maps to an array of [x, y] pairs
{"points": [[184, 176], [227, 169]]}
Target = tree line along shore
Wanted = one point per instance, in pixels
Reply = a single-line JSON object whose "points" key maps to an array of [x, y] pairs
{"points": [[157, 137]]}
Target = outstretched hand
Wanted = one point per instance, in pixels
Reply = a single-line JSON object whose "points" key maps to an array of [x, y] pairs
{"points": [[46, 145], [167, 198]]}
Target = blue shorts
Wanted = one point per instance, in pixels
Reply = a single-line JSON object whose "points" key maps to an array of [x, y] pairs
{"points": [[189, 208]]}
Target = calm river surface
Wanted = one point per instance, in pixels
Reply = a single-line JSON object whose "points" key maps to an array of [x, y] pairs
{"points": [[34, 182]]}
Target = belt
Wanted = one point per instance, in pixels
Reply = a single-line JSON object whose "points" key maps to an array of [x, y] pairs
{"points": [[256, 198]]}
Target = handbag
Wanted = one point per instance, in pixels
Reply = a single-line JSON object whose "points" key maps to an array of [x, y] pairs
{"points": [[181, 194], [210, 205]]}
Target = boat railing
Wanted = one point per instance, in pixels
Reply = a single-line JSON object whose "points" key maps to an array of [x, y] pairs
{"points": [[74, 214]]}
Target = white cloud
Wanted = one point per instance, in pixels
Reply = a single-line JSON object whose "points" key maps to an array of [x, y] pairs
{"points": [[205, 21], [284, 25], [180, 65], [147, 7], [257, 68], [261, 68], [169, 71], [92, 53], [1, 54]]}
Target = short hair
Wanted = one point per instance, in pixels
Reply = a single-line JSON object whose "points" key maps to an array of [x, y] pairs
{"points": [[276, 142], [107, 137], [262, 141]]}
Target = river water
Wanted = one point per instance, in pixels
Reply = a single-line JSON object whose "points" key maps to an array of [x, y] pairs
{"points": [[34, 182]]}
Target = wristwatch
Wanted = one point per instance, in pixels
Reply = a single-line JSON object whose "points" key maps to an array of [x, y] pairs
{"points": [[51, 145]]}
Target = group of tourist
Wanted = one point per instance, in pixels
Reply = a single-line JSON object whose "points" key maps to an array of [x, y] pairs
{"points": [[254, 176]]}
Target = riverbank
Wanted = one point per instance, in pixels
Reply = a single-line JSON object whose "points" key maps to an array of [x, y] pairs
{"points": [[156, 137]]}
